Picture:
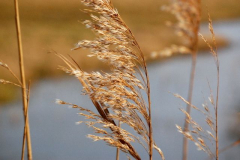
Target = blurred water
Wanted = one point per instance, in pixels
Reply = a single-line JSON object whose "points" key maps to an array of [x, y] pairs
{"points": [[56, 137]]}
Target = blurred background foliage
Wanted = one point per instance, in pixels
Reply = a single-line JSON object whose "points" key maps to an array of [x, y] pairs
{"points": [[56, 26]]}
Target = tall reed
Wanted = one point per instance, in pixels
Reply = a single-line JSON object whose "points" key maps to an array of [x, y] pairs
{"points": [[188, 15], [117, 95], [23, 82], [213, 50], [197, 134]]}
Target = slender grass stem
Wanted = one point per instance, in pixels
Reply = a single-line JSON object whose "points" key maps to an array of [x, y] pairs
{"points": [[216, 111], [192, 77], [22, 74], [190, 92], [150, 118], [215, 55], [118, 150], [26, 119]]}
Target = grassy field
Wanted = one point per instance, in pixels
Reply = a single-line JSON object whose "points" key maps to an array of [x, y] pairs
{"points": [[54, 25]]}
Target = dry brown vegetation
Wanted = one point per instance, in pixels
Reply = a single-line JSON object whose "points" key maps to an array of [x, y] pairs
{"points": [[54, 25], [118, 94]]}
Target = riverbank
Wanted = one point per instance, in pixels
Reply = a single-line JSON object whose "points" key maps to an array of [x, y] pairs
{"points": [[54, 26]]}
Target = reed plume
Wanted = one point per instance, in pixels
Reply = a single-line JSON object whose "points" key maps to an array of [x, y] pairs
{"points": [[117, 95], [188, 16]]}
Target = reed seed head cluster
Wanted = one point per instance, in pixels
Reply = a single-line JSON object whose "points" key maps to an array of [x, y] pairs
{"points": [[117, 95], [188, 16]]}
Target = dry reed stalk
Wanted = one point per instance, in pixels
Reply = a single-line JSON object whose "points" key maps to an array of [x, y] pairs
{"points": [[215, 55], [117, 95], [188, 15], [198, 135], [25, 120], [118, 151], [23, 82], [213, 50]]}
